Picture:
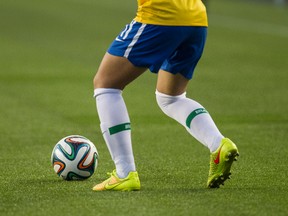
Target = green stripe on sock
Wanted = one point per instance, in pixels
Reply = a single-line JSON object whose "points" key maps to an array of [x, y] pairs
{"points": [[118, 128], [193, 114]]}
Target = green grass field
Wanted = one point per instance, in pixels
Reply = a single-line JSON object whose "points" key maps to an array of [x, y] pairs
{"points": [[49, 52]]}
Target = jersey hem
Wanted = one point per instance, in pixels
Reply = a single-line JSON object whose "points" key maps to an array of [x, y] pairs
{"points": [[171, 23]]}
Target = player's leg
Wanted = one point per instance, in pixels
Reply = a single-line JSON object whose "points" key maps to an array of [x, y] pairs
{"points": [[113, 75], [142, 45], [171, 97]]}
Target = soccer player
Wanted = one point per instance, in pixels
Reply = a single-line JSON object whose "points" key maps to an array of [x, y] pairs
{"points": [[168, 37]]}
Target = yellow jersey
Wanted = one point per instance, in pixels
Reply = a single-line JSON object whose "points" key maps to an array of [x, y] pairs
{"points": [[172, 12]]}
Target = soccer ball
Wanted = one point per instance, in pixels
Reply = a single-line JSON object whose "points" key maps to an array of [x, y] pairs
{"points": [[74, 158]]}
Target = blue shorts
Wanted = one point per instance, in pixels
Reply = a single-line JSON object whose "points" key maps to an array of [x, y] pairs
{"points": [[176, 49]]}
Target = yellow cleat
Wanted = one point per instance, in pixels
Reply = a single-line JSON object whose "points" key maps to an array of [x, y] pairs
{"points": [[114, 183], [220, 163]]}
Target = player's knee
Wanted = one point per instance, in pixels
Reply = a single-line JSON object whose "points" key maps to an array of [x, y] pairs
{"points": [[102, 81]]}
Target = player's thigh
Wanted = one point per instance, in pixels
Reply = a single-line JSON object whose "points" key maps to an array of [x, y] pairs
{"points": [[171, 84], [116, 72]]}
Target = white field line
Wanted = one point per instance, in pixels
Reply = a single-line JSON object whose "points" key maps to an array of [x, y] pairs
{"points": [[241, 24]]}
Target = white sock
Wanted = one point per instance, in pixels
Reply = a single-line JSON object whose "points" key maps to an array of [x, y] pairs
{"points": [[193, 117], [115, 126]]}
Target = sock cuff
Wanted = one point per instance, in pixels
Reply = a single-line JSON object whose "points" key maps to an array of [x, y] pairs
{"points": [[169, 96], [100, 91]]}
